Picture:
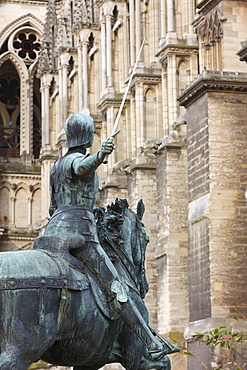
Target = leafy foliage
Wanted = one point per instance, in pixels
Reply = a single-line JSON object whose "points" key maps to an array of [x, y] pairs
{"points": [[222, 336]]}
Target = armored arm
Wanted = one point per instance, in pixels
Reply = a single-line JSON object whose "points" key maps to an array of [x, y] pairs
{"points": [[92, 162]]}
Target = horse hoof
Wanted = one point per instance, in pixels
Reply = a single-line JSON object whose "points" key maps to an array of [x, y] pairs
{"points": [[159, 354]]}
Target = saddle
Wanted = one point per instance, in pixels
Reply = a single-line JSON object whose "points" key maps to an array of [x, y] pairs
{"points": [[60, 246]]}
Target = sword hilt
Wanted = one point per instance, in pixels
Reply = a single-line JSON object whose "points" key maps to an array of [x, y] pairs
{"points": [[112, 136]]}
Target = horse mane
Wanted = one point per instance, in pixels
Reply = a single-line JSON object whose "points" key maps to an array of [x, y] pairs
{"points": [[111, 236], [108, 223]]}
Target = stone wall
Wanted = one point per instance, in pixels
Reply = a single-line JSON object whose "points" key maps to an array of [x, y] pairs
{"points": [[141, 184], [217, 208], [171, 250]]}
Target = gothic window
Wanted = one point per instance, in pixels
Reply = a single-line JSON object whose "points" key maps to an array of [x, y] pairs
{"points": [[5, 209], [149, 130], [91, 45], [36, 118], [10, 111], [21, 208], [27, 46], [183, 80], [210, 37], [36, 202], [20, 100]]}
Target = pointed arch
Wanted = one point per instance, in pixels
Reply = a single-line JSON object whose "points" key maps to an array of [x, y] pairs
{"points": [[19, 64], [35, 204], [150, 127], [28, 20], [21, 205], [5, 201]]}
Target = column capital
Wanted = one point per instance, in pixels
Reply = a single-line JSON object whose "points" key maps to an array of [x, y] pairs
{"points": [[46, 80], [64, 59], [108, 17]]}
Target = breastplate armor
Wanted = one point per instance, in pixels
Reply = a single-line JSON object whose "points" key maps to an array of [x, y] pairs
{"points": [[70, 189]]}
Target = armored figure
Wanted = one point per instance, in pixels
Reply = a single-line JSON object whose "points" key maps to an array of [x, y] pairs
{"points": [[74, 188]]}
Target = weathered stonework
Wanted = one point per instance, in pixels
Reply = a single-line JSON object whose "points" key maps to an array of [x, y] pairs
{"points": [[182, 145], [217, 181]]}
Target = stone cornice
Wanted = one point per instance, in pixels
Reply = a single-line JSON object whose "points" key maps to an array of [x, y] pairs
{"points": [[47, 154], [213, 82], [141, 162], [32, 2], [206, 5], [178, 49], [111, 100], [6, 176], [28, 238], [114, 181], [149, 79]]}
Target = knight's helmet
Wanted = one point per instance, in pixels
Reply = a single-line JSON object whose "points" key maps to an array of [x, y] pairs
{"points": [[79, 129]]}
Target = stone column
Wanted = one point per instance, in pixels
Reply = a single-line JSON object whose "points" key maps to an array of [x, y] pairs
{"points": [[126, 47], [29, 116], [103, 54], [141, 184], [80, 93], [164, 101], [85, 75], [63, 86], [13, 210], [132, 32], [171, 247], [162, 21], [138, 27], [191, 15], [171, 27], [60, 95], [108, 50], [139, 115], [172, 89], [65, 91], [170, 16], [46, 81], [29, 200]]}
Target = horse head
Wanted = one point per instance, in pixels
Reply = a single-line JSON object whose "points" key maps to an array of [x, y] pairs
{"points": [[122, 230]]}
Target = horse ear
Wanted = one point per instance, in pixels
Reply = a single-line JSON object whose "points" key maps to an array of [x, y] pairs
{"points": [[140, 209]]}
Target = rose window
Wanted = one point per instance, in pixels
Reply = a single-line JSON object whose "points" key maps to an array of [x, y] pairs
{"points": [[27, 46]]}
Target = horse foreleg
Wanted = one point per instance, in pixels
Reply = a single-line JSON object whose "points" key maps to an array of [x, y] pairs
{"points": [[11, 359]]}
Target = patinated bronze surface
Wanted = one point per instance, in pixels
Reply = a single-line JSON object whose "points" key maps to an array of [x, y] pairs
{"points": [[76, 299]]}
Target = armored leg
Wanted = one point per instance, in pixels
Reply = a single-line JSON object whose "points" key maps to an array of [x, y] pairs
{"points": [[95, 258], [132, 317]]}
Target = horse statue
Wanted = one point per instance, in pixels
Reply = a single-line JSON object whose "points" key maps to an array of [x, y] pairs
{"points": [[52, 308]]}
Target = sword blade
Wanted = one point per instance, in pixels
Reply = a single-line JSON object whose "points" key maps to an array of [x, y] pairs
{"points": [[114, 130]]}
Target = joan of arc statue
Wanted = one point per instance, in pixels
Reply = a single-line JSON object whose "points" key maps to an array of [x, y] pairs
{"points": [[74, 189]]}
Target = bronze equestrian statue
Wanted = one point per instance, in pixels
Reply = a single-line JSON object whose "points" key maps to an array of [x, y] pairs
{"points": [[85, 276]]}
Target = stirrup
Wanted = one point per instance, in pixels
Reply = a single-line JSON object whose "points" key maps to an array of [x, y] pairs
{"points": [[168, 347]]}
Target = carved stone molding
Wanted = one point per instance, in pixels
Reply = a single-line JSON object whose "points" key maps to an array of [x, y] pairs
{"points": [[206, 5], [28, 2], [30, 18], [213, 81], [243, 52]]}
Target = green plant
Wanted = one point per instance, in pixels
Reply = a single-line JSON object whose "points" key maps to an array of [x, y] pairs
{"points": [[222, 336]]}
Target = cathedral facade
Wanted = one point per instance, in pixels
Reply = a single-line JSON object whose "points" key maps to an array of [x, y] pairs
{"points": [[181, 147]]}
